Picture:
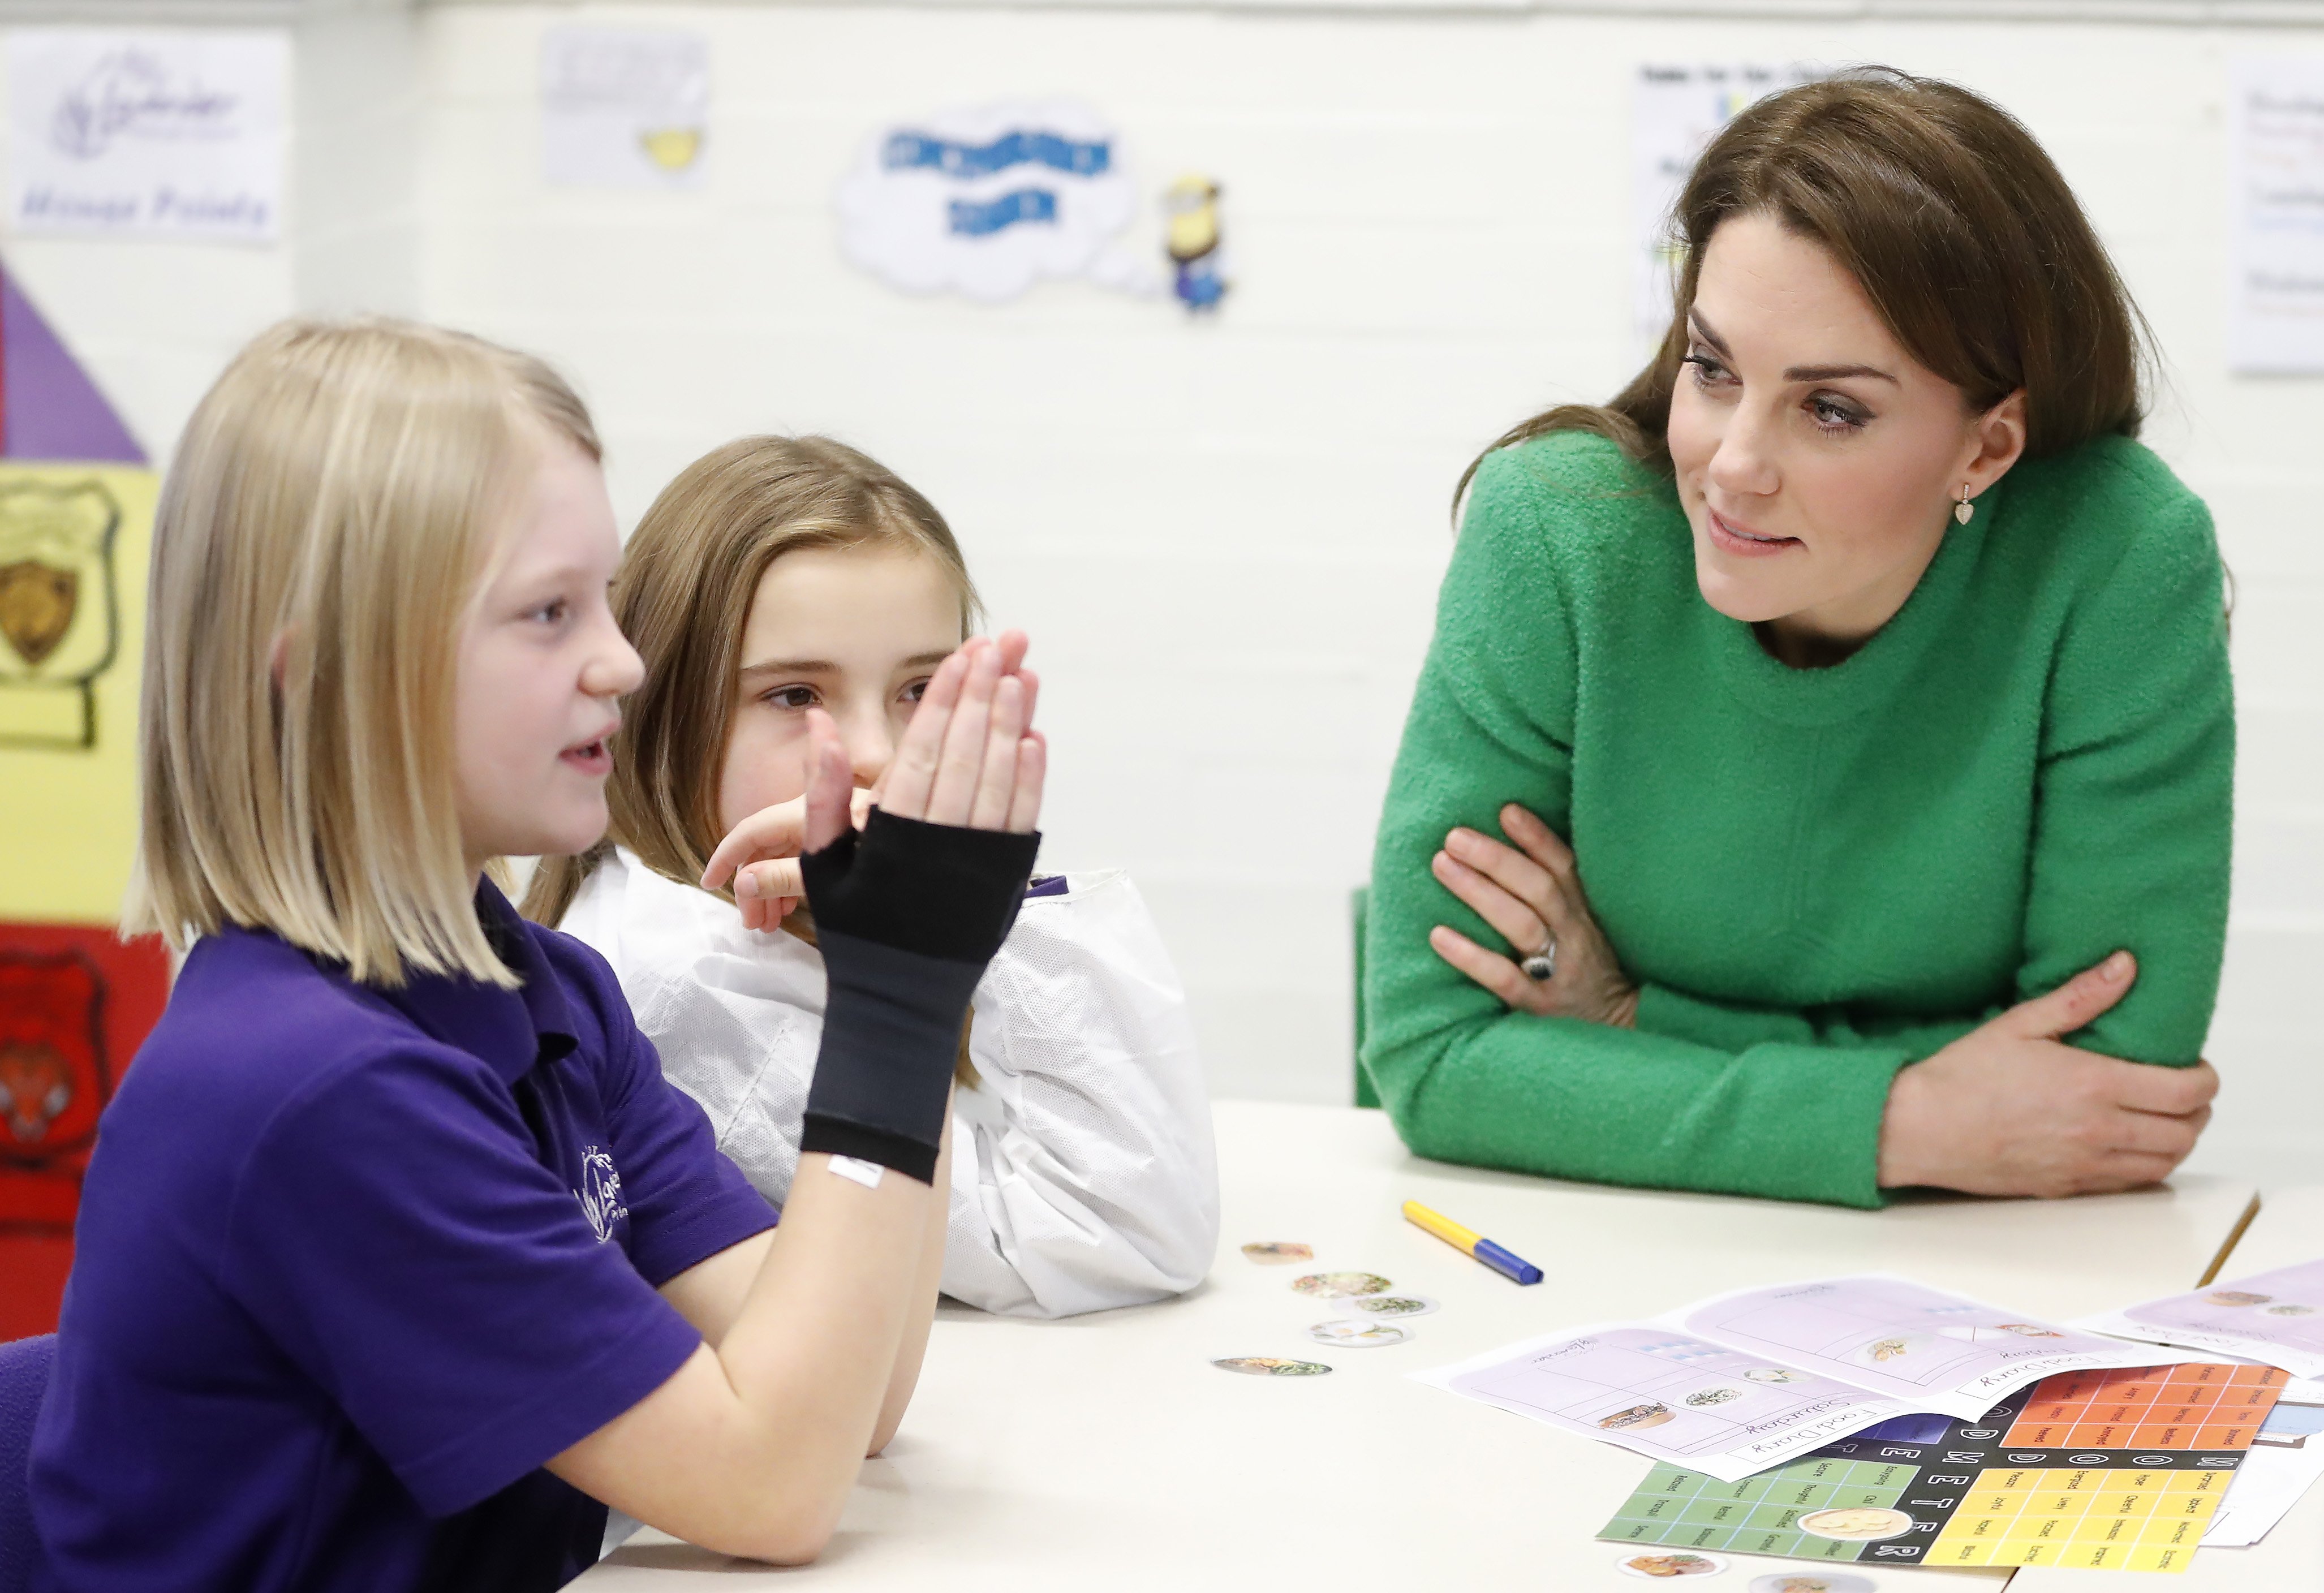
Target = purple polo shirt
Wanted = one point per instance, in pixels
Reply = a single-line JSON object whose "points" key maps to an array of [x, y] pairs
{"points": [[351, 1264]]}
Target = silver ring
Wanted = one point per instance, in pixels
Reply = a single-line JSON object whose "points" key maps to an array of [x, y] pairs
{"points": [[1541, 966]]}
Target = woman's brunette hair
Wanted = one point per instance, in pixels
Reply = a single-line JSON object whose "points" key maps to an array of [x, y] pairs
{"points": [[1953, 221], [682, 597], [336, 502]]}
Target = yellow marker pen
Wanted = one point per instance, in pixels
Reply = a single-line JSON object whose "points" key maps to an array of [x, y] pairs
{"points": [[1506, 1262]]}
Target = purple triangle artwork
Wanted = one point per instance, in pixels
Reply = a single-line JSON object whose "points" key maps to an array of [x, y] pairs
{"points": [[49, 408]]}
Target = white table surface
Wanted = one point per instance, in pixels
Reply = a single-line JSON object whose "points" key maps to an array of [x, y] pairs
{"points": [[2289, 1229], [1107, 1452]]}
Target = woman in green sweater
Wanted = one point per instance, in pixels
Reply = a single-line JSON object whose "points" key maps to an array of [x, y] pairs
{"points": [[1820, 779]]}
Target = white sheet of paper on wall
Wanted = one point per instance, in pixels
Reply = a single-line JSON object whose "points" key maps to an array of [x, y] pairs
{"points": [[624, 107], [147, 133], [1674, 112], [2275, 144], [987, 201]]}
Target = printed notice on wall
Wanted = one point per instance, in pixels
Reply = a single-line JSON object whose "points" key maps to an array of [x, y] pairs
{"points": [[2275, 301], [623, 107], [147, 133], [1675, 111]]}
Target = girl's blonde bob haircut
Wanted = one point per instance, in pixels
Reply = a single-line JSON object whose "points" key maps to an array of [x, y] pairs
{"points": [[329, 520]]}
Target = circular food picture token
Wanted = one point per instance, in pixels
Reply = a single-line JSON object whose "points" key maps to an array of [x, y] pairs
{"points": [[2237, 1297], [1652, 1414], [1814, 1581], [1391, 1307], [1350, 1335], [1271, 1365], [1278, 1252], [1701, 1397], [1679, 1563], [1856, 1523], [1775, 1374], [1339, 1285], [2291, 1311]]}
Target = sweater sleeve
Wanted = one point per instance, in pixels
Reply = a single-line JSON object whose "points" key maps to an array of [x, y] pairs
{"points": [[2133, 823], [1773, 1112]]}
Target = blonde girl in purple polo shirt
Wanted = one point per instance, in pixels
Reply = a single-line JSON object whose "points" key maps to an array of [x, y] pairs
{"points": [[399, 1261]]}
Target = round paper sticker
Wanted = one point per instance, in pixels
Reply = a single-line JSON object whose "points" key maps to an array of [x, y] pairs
{"points": [[2291, 1311], [1359, 1335], [1712, 1396], [1278, 1252], [2237, 1297], [1857, 1524], [1814, 1581], [1679, 1564], [1269, 1365], [1338, 1285], [1775, 1374], [1392, 1307]]}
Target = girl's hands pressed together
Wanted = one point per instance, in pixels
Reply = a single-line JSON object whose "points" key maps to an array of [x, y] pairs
{"points": [[1533, 899], [767, 887], [2009, 1109], [969, 758]]}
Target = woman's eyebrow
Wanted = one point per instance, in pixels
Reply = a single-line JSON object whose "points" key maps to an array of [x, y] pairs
{"points": [[1835, 372], [1702, 328], [926, 660]]}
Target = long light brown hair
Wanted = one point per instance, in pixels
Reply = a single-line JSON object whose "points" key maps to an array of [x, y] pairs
{"points": [[684, 596], [332, 510], [1956, 226]]}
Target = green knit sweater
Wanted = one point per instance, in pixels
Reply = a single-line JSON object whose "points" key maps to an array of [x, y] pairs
{"points": [[1814, 877]]}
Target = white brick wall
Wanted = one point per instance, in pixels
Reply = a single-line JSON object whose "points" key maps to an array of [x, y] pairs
{"points": [[1225, 538]]}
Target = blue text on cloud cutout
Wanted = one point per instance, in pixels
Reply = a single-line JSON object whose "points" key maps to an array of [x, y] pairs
{"points": [[1018, 148]]}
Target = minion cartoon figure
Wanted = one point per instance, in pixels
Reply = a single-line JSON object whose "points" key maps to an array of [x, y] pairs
{"points": [[1191, 205]]}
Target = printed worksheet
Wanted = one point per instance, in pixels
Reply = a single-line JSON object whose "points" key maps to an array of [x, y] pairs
{"points": [[1927, 1348], [2277, 1317], [2286, 1459], [2104, 1470], [1669, 1395]]}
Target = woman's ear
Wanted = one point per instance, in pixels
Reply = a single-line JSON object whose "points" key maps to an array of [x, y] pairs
{"points": [[1999, 436]]}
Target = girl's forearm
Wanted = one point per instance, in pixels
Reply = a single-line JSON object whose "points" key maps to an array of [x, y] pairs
{"points": [[906, 1374]]}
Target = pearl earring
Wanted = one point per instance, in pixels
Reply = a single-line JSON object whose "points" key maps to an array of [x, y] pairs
{"points": [[1964, 509]]}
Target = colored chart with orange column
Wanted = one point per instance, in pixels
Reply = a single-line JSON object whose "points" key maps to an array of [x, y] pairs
{"points": [[2196, 1406]]}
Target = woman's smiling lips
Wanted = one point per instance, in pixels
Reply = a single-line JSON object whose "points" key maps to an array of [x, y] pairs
{"points": [[1730, 537]]}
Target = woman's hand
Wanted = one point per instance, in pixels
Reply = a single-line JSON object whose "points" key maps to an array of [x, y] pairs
{"points": [[1533, 899], [2006, 1109]]}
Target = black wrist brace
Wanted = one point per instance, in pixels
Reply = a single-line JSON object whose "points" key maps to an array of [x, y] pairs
{"points": [[906, 916]]}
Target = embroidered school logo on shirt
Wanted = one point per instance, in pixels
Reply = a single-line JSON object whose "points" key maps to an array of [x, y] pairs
{"points": [[600, 1193]]}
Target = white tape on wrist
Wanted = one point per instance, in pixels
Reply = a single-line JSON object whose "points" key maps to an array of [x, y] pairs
{"points": [[867, 1173]]}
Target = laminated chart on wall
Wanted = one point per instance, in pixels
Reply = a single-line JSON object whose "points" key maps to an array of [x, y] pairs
{"points": [[2113, 1470], [623, 107], [2277, 1317], [1675, 110], [176, 133]]}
